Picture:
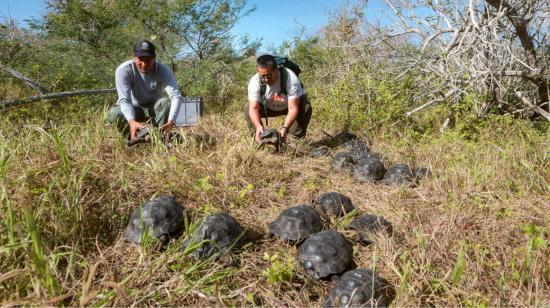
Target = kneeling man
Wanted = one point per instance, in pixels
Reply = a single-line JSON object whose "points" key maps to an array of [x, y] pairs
{"points": [[275, 92]]}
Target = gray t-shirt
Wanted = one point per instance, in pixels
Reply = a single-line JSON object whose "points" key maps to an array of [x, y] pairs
{"points": [[136, 88], [276, 100]]}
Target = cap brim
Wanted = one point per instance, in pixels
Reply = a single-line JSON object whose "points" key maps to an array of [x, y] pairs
{"points": [[144, 54]]}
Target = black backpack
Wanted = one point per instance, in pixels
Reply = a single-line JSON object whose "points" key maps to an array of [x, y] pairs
{"points": [[282, 63]]}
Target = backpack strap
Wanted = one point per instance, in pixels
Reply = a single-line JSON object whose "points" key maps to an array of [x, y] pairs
{"points": [[284, 77], [263, 101]]}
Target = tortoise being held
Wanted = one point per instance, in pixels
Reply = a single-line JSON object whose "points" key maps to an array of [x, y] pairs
{"points": [[272, 137]]}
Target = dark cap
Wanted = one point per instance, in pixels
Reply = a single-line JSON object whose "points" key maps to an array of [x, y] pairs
{"points": [[144, 48]]}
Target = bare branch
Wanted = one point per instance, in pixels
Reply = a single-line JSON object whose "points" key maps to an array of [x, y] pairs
{"points": [[55, 95], [539, 110], [31, 83]]}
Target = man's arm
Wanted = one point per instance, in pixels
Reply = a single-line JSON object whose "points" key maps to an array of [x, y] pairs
{"points": [[294, 91], [293, 109], [124, 91], [255, 118], [174, 95]]}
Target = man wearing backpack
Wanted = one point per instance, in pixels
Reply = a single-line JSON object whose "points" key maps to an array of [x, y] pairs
{"points": [[139, 84], [275, 91]]}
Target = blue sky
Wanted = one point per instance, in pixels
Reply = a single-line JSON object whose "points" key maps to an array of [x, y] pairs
{"points": [[273, 21]]}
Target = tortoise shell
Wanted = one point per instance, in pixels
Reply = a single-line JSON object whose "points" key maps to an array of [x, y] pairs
{"points": [[296, 223], [369, 169], [343, 137], [342, 161], [357, 148], [219, 233], [319, 152], [400, 174], [160, 216], [333, 203], [325, 253], [359, 288], [366, 224]]}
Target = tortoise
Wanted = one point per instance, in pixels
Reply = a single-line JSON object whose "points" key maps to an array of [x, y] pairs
{"points": [[142, 136], [333, 203], [343, 137], [162, 217], [325, 253], [399, 174], [359, 288], [319, 152], [271, 136], [357, 148], [369, 169], [421, 172], [342, 161], [366, 224], [296, 223], [216, 235]]}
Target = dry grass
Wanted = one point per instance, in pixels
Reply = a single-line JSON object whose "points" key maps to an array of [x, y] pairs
{"points": [[490, 197]]}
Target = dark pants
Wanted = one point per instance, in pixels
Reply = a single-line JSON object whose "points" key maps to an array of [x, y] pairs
{"points": [[157, 112], [298, 129]]}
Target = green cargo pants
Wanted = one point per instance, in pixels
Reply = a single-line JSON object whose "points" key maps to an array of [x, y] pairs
{"points": [[157, 112], [298, 129]]}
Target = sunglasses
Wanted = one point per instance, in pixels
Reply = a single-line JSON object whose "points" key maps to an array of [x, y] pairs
{"points": [[266, 76]]}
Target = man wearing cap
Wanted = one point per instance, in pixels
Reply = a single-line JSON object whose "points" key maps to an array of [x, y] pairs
{"points": [[139, 84], [288, 100]]}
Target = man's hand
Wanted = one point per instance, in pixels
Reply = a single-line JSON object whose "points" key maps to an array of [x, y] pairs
{"points": [[283, 131], [134, 125], [259, 130], [165, 129]]}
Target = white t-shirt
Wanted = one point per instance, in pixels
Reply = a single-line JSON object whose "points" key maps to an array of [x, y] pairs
{"points": [[276, 100]]}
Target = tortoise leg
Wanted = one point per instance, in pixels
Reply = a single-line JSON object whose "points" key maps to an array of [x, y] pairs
{"points": [[161, 242]]}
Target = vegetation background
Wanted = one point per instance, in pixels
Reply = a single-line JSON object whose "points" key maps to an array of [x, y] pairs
{"points": [[475, 233]]}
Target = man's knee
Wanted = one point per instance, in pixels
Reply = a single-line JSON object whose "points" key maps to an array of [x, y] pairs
{"points": [[114, 115], [162, 105]]}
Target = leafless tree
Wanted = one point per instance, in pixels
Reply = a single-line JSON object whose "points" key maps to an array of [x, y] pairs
{"points": [[493, 53]]}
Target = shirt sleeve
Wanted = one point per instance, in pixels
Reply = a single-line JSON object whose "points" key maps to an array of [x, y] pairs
{"points": [[171, 88], [123, 85], [293, 86], [254, 88]]}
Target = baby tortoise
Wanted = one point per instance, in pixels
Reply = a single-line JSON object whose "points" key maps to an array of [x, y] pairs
{"points": [[325, 253], [272, 137], [369, 169], [333, 203], [159, 218], [142, 136], [319, 152], [342, 161], [398, 175], [360, 288], [367, 224], [295, 223], [357, 148], [216, 235]]}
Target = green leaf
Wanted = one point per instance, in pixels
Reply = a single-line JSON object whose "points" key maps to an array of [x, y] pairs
{"points": [[460, 264]]}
